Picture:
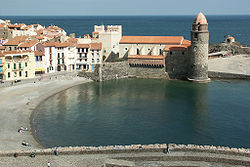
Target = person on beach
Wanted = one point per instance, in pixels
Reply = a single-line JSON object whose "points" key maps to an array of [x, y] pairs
{"points": [[168, 150]]}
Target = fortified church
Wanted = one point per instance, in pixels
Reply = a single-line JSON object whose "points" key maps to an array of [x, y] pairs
{"points": [[173, 55]]}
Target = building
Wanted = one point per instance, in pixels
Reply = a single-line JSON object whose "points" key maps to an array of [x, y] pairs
{"points": [[170, 55], [40, 62], [95, 56], [60, 56], [18, 65], [198, 51], [12, 44], [2, 67], [83, 53], [109, 36]]}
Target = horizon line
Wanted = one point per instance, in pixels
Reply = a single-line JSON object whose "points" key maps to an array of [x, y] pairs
{"points": [[131, 15]]}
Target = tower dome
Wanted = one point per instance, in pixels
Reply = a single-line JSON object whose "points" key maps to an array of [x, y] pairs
{"points": [[200, 19]]}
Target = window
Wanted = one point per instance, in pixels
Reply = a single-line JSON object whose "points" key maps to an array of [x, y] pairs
{"points": [[195, 35], [93, 60], [20, 73], [160, 52], [26, 64], [8, 74], [58, 62], [14, 74], [98, 60], [138, 51], [82, 49], [148, 49], [125, 49], [183, 53], [8, 65], [20, 65], [58, 55], [62, 61], [26, 73], [62, 55], [36, 58], [171, 52], [14, 66], [78, 50]]}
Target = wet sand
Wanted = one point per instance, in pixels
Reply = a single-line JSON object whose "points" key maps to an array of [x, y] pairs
{"points": [[17, 104]]}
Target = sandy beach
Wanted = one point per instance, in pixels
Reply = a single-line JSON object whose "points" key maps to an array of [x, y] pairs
{"points": [[17, 104]]}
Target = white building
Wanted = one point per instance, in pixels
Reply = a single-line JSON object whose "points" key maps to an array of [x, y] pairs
{"points": [[109, 36]]}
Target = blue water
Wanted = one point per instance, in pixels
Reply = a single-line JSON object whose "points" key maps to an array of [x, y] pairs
{"points": [[146, 111], [219, 26]]}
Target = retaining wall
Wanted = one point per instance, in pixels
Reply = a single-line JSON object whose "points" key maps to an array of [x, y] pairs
{"points": [[223, 75], [130, 149]]}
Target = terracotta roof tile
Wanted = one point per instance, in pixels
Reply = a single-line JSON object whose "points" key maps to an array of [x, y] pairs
{"points": [[96, 46], [151, 39], [17, 40], [28, 44], [83, 46], [39, 53], [146, 57], [176, 47], [15, 52]]}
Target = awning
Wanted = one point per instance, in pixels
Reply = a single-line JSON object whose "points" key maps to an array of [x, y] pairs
{"points": [[40, 69]]}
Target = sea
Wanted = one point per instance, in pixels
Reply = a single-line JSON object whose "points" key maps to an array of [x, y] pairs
{"points": [[146, 111], [237, 26], [133, 111]]}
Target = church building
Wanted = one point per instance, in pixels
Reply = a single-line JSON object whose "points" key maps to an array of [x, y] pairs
{"points": [[180, 58]]}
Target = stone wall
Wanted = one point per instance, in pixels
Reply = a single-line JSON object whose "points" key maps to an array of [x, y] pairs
{"points": [[116, 70], [130, 149], [223, 75], [177, 65], [147, 72]]}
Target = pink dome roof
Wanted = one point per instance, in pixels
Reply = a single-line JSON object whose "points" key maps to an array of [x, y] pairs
{"points": [[200, 19]]}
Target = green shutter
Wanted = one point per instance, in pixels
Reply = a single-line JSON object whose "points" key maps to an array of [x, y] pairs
{"points": [[14, 66], [20, 65]]}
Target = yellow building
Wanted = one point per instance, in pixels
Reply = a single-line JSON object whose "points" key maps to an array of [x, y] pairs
{"points": [[40, 62], [2, 60], [18, 65]]}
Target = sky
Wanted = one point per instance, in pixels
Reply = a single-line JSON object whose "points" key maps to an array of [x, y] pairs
{"points": [[123, 7]]}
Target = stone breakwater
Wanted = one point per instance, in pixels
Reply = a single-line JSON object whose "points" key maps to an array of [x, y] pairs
{"points": [[130, 149]]}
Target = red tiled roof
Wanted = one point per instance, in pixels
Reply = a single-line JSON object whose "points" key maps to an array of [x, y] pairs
{"points": [[96, 46], [2, 47], [17, 40], [28, 44], [83, 46], [176, 47], [49, 44], [151, 39], [39, 53], [65, 44], [146, 57], [15, 52]]}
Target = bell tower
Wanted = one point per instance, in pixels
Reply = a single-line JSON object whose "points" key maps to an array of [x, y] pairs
{"points": [[198, 51]]}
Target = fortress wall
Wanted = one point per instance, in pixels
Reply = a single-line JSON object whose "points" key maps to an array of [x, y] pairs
{"points": [[147, 72], [177, 65]]}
